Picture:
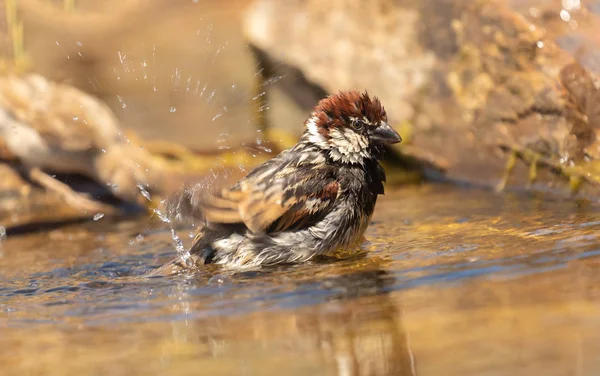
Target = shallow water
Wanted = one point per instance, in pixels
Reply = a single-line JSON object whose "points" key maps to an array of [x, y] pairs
{"points": [[456, 281]]}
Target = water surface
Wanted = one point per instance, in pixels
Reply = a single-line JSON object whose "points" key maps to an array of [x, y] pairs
{"points": [[455, 281]]}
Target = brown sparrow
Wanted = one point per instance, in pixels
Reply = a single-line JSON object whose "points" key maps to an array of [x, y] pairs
{"points": [[310, 200]]}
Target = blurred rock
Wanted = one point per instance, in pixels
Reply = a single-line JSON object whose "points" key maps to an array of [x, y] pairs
{"points": [[175, 71], [459, 77], [48, 129]]}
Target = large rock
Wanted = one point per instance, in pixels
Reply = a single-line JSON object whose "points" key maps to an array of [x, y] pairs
{"points": [[463, 79]]}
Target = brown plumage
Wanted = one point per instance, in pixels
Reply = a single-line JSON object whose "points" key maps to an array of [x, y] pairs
{"points": [[309, 200]]}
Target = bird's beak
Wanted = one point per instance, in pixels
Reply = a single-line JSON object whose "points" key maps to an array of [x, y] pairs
{"points": [[385, 134]]}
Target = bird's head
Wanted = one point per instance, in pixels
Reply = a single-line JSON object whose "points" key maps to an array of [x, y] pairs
{"points": [[350, 126]]}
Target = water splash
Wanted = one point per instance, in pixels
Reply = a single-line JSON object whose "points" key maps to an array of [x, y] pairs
{"points": [[188, 84], [212, 95], [144, 192], [154, 67], [122, 101], [176, 79], [2, 238], [125, 64], [222, 141], [144, 71], [185, 255], [98, 216], [271, 81], [181, 251], [161, 216]]}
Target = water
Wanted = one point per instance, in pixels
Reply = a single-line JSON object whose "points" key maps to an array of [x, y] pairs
{"points": [[177, 242], [455, 282]]}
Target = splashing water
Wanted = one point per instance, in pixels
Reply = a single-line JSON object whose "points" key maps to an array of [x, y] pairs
{"points": [[181, 251], [122, 101], [185, 255], [98, 216], [2, 238], [161, 216], [144, 192]]}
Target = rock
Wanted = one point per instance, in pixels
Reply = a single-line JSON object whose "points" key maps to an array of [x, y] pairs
{"points": [[48, 128], [462, 77]]}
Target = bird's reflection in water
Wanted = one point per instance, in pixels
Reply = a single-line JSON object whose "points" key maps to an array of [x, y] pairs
{"points": [[347, 324]]}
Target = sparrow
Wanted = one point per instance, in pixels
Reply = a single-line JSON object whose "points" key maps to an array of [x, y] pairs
{"points": [[310, 200]]}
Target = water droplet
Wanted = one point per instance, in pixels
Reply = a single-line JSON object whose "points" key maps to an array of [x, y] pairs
{"points": [[161, 216], [103, 150], [540, 44], [571, 5], [139, 238], [144, 192], [75, 118], [217, 116], [173, 109], [534, 12], [265, 149], [178, 243], [573, 24], [565, 15], [123, 104], [219, 279], [98, 216], [2, 233]]}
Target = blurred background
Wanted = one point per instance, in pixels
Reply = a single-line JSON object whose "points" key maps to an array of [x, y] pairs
{"points": [[179, 71], [471, 86], [109, 108]]}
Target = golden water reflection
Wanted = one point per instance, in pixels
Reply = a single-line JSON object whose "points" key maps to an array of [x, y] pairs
{"points": [[457, 282]]}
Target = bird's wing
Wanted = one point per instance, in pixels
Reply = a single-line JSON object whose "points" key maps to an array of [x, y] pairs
{"points": [[275, 197]]}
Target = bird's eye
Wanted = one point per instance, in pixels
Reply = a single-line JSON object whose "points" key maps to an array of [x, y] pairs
{"points": [[358, 125]]}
